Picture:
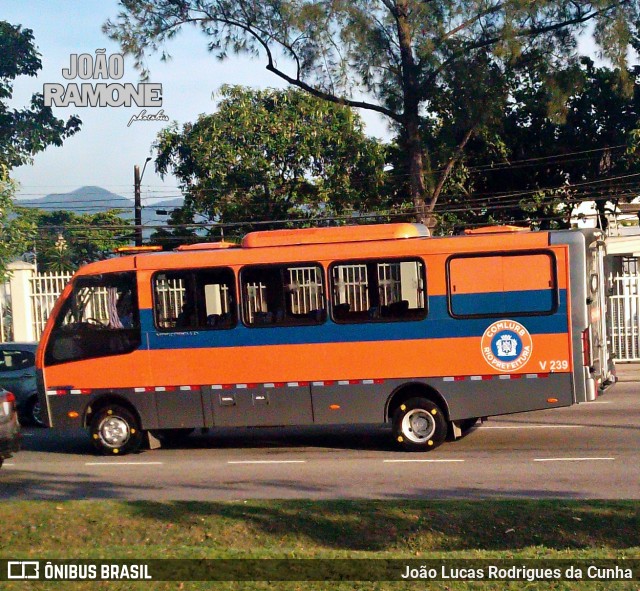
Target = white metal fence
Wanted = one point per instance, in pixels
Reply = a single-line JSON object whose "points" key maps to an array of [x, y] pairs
{"points": [[624, 316], [169, 301], [45, 289]]}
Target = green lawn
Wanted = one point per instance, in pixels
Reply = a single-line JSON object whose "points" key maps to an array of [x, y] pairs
{"points": [[419, 530]]}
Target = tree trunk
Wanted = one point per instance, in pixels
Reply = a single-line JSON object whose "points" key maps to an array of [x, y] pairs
{"points": [[411, 115], [416, 166]]}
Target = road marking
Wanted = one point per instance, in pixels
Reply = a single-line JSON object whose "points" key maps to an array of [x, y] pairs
{"points": [[421, 461], [27, 434], [574, 459], [123, 463], [268, 462], [530, 426], [11, 464]]}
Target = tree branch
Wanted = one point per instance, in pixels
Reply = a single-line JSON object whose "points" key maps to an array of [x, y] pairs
{"points": [[457, 154], [333, 98], [297, 81], [534, 31], [468, 23], [391, 6], [531, 32]]}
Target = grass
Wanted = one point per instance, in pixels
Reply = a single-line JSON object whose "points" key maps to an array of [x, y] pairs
{"points": [[512, 529]]}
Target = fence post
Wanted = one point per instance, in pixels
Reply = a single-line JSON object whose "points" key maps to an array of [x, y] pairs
{"points": [[21, 308]]}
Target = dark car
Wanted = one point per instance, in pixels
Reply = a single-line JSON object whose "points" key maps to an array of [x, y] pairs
{"points": [[9, 426], [18, 375]]}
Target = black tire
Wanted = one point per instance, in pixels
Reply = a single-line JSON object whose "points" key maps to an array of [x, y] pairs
{"points": [[467, 424], [172, 436], [115, 430], [33, 412], [419, 425]]}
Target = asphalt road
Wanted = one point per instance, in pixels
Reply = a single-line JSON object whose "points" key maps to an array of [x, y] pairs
{"points": [[583, 452]]}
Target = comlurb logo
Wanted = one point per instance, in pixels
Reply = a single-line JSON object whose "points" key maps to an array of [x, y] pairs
{"points": [[506, 345]]}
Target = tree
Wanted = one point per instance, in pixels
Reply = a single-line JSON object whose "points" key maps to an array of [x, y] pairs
{"points": [[14, 235], [63, 240], [546, 163], [272, 155], [439, 64], [23, 132]]}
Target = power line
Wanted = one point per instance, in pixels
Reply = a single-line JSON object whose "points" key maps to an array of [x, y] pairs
{"points": [[511, 164]]}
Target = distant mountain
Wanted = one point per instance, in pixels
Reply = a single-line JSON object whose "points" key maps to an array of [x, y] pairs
{"points": [[96, 199], [82, 200]]}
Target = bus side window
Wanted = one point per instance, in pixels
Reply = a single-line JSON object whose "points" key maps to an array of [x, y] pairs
{"points": [[378, 291], [215, 296], [195, 299], [494, 285], [283, 295], [169, 295]]}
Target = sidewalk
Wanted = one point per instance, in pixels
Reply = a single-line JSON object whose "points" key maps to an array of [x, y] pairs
{"points": [[628, 372]]}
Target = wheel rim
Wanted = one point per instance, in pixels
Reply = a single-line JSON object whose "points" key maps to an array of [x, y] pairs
{"points": [[418, 425], [36, 413], [114, 431]]}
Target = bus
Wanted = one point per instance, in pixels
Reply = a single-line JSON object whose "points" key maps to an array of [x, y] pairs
{"points": [[379, 324]]}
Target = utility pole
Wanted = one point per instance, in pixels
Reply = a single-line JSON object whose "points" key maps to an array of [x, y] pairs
{"points": [[137, 215], [137, 203]]}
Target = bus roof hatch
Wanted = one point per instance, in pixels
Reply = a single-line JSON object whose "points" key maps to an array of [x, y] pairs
{"points": [[334, 234], [208, 246], [496, 230]]}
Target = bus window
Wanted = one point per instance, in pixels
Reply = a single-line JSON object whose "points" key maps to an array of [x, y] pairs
{"points": [[99, 318], [283, 295], [502, 285], [378, 291], [194, 299]]}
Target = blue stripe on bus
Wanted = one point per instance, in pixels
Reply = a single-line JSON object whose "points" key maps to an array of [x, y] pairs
{"points": [[438, 325], [503, 303]]}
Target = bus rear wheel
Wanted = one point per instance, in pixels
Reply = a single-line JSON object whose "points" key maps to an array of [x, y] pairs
{"points": [[419, 425], [115, 430]]}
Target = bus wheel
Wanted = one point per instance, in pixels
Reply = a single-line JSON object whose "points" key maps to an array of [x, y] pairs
{"points": [[419, 425], [34, 412], [115, 430]]}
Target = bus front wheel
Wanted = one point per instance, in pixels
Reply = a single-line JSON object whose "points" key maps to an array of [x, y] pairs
{"points": [[419, 425], [115, 430]]}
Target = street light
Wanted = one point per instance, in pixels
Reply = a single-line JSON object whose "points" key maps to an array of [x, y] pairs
{"points": [[137, 204]]}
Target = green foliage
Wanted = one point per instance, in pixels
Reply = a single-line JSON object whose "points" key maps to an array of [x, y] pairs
{"points": [[10, 232], [549, 160], [23, 133], [272, 155], [63, 240], [439, 70]]}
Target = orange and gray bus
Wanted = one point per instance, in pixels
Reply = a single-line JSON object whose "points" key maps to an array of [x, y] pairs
{"points": [[378, 324]]}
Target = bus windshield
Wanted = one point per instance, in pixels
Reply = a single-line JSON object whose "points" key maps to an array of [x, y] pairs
{"points": [[99, 318]]}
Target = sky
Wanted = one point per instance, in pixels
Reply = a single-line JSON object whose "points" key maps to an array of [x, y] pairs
{"points": [[106, 149]]}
